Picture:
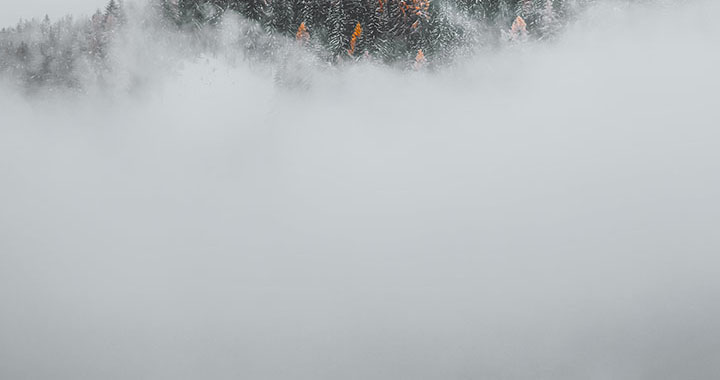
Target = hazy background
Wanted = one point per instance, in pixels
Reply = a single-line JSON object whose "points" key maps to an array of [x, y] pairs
{"points": [[14, 10], [547, 211]]}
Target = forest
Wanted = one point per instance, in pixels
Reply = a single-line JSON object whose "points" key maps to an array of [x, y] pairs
{"points": [[410, 34]]}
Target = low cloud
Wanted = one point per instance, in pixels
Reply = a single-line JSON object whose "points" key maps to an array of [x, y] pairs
{"points": [[543, 211]]}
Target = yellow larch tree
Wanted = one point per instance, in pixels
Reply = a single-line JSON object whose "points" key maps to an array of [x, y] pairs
{"points": [[353, 40]]}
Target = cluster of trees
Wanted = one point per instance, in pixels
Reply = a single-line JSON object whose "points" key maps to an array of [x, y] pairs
{"points": [[391, 30], [41, 53], [413, 33]]}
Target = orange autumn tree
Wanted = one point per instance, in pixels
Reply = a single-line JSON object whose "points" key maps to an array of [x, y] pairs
{"points": [[518, 29], [420, 60], [353, 40], [519, 25], [302, 34]]}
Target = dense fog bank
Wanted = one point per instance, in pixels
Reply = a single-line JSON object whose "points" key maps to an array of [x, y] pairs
{"points": [[543, 211]]}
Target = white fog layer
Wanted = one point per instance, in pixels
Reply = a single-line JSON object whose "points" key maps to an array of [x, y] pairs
{"points": [[546, 210]]}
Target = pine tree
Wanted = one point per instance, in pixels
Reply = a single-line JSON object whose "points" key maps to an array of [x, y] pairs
{"points": [[283, 16], [381, 38], [305, 12], [257, 10], [336, 26], [548, 19], [23, 53], [505, 11], [373, 28], [95, 36], [112, 14], [442, 38], [525, 8], [194, 14]]}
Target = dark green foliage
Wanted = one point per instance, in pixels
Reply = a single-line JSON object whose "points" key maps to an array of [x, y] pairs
{"points": [[68, 53], [393, 30], [336, 29]]}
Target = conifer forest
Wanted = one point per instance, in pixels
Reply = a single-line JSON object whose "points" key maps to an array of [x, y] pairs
{"points": [[413, 34]]}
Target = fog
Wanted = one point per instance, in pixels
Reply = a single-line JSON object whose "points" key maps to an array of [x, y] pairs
{"points": [[542, 211], [13, 10]]}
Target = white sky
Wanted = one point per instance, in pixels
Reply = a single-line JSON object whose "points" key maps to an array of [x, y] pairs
{"points": [[13, 10]]}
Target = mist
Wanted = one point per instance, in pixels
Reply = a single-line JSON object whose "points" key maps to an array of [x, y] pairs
{"points": [[15, 10], [545, 210]]}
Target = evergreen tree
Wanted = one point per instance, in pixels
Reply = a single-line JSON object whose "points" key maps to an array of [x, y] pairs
{"points": [[380, 31], [548, 19], [258, 10], [305, 12], [195, 14], [442, 37], [336, 25], [283, 16], [112, 14]]}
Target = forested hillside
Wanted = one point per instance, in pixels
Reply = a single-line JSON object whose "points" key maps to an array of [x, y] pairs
{"points": [[407, 33], [388, 29]]}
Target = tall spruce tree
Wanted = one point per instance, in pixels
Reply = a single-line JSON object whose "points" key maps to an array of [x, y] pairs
{"points": [[336, 26], [283, 17]]}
